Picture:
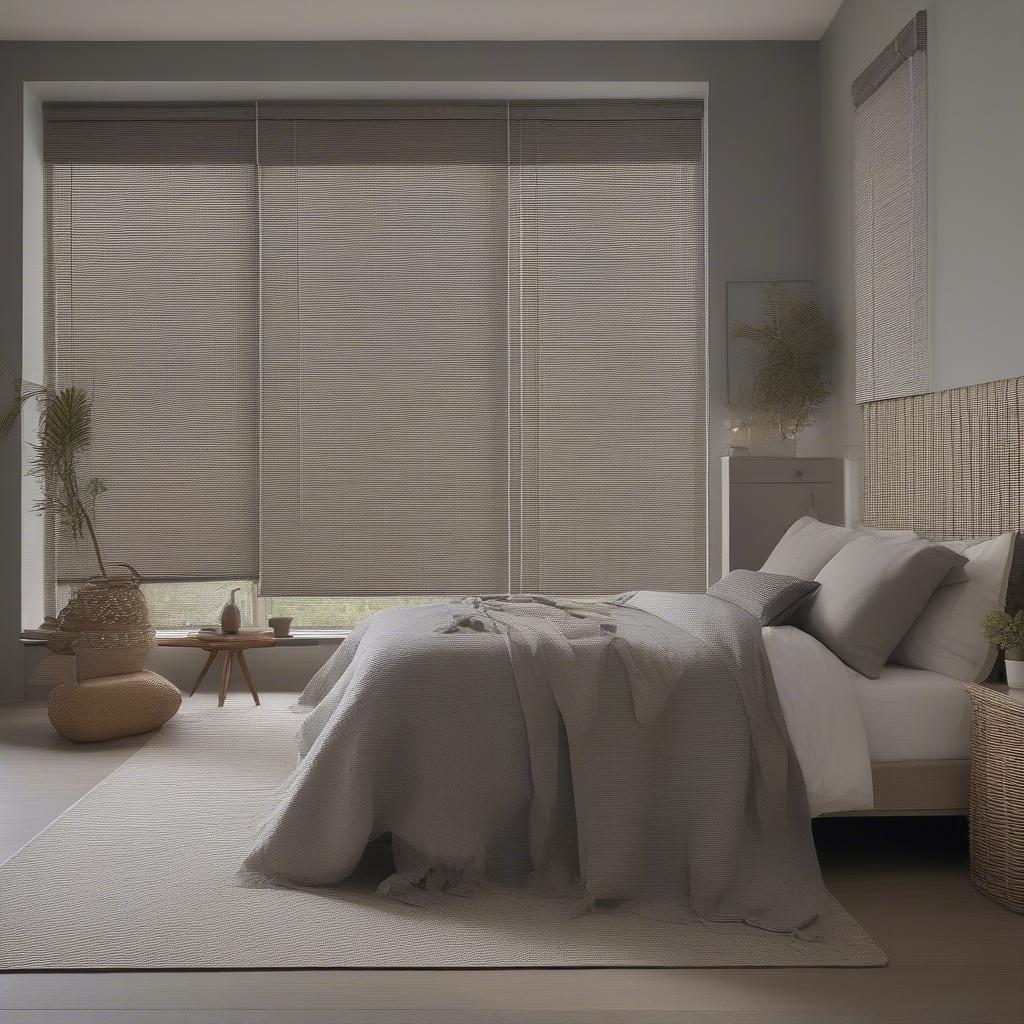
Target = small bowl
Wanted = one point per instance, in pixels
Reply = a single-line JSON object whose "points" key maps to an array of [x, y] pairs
{"points": [[281, 625]]}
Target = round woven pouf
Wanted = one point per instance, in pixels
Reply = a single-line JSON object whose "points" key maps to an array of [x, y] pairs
{"points": [[112, 706]]}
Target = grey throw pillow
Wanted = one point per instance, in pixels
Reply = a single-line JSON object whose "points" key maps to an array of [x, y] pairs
{"points": [[806, 548], [871, 593], [770, 598]]}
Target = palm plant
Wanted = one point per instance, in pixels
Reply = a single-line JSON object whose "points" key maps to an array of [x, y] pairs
{"points": [[790, 347], [65, 433]]}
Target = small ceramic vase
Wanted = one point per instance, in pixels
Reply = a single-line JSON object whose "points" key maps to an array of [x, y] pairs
{"points": [[231, 615]]}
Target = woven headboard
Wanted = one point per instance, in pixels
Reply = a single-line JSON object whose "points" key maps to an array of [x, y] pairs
{"points": [[949, 464]]}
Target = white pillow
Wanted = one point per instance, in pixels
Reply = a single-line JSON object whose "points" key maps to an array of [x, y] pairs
{"points": [[946, 637]]}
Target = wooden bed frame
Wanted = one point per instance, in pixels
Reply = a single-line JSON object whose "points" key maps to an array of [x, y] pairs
{"points": [[917, 787]]}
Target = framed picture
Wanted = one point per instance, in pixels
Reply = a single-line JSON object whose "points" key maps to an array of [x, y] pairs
{"points": [[744, 301]]}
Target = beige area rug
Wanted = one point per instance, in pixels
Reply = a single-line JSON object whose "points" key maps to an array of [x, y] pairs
{"points": [[140, 875]]}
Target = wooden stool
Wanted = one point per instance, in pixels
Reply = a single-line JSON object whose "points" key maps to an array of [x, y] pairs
{"points": [[233, 648]]}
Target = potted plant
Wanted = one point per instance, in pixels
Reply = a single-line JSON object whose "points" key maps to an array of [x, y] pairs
{"points": [[1007, 631], [790, 347]]}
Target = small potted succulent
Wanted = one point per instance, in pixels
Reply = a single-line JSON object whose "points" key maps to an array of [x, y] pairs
{"points": [[1007, 631]]}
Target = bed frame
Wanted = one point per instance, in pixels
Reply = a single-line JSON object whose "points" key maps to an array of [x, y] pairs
{"points": [[917, 787], [946, 464]]}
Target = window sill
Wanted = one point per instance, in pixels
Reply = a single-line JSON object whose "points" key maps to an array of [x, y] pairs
{"points": [[299, 638]]}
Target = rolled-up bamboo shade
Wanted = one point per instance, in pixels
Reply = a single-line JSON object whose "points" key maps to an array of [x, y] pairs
{"points": [[893, 354]]}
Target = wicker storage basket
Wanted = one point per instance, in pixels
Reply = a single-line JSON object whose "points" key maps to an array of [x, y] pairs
{"points": [[997, 794], [107, 616]]}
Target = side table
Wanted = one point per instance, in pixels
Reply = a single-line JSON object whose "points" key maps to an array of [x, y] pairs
{"points": [[997, 793], [233, 649]]}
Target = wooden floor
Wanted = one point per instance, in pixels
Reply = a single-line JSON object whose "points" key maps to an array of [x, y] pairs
{"points": [[956, 957]]}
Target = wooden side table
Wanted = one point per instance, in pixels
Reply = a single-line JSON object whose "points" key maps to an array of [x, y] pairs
{"points": [[997, 793], [233, 649]]}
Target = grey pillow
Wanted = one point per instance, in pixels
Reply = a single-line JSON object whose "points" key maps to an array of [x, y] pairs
{"points": [[770, 598], [806, 548], [871, 593]]}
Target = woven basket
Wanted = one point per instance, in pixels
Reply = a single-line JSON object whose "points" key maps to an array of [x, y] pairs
{"points": [[107, 614], [997, 796]]}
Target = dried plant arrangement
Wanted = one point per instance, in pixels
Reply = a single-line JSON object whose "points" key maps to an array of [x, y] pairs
{"points": [[790, 347], [65, 433]]}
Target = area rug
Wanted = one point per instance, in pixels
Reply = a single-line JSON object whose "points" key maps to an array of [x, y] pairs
{"points": [[140, 875]]}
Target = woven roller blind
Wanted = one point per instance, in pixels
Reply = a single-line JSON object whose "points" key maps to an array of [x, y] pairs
{"points": [[151, 305], [891, 212], [384, 353], [607, 333], [384, 348]]}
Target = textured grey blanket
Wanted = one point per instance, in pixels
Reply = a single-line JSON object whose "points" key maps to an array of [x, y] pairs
{"points": [[631, 749]]}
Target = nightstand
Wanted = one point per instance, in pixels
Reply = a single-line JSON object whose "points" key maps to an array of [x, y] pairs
{"points": [[997, 793]]}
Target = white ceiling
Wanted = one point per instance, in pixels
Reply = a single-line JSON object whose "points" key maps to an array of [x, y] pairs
{"points": [[415, 19]]}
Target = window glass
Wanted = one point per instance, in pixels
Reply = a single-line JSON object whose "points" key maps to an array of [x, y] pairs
{"points": [[336, 612]]}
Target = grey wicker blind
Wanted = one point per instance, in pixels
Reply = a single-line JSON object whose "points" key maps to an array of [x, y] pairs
{"points": [[384, 353], [151, 305], [891, 210], [607, 348]]}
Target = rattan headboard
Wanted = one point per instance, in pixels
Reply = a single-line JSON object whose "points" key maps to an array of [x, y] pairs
{"points": [[948, 464]]}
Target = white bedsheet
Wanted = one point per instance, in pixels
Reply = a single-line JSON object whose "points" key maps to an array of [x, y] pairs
{"points": [[910, 715], [817, 694]]}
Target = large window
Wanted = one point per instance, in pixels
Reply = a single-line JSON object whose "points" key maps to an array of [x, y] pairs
{"points": [[369, 353]]}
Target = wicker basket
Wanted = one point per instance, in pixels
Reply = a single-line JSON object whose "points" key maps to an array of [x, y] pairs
{"points": [[997, 794], [106, 614]]}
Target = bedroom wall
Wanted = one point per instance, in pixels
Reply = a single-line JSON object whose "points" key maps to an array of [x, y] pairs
{"points": [[763, 176], [976, 151]]}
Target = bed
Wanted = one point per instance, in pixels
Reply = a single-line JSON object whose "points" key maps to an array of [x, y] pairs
{"points": [[862, 678], [649, 744], [917, 725], [652, 745], [896, 745]]}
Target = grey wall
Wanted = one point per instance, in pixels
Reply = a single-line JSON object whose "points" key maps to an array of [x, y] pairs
{"points": [[976, 155], [763, 172]]}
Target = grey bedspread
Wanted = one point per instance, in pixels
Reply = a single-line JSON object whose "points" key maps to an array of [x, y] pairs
{"points": [[629, 749]]}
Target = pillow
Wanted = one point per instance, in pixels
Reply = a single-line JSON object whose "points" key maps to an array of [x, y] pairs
{"points": [[871, 593], [806, 548], [947, 637], [955, 575], [808, 545], [770, 598]]}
